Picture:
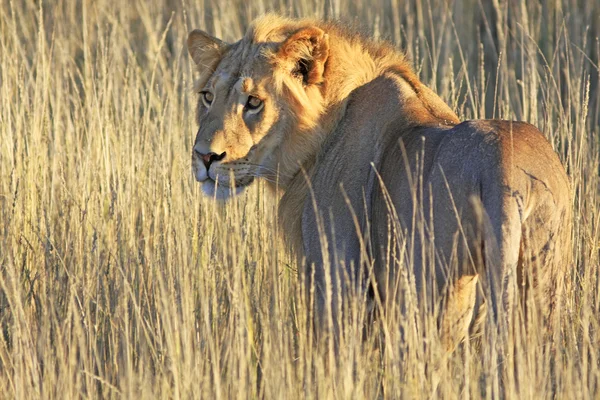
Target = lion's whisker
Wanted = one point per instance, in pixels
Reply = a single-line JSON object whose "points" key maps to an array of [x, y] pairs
{"points": [[273, 171]]}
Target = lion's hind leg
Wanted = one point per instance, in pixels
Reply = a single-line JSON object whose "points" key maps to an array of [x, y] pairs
{"points": [[458, 311]]}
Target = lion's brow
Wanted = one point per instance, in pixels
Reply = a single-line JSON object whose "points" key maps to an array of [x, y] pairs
{"points": [[233, 79], [225, 81], [233, 65]]}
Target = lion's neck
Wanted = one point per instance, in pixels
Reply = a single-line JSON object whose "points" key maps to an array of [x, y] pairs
{"points": [[351, 66]]}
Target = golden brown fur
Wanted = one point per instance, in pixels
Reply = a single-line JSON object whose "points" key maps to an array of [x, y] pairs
{"points": [[346, 127]]}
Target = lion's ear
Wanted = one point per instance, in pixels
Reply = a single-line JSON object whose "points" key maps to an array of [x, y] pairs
{"points": [[205, 50], [306, 52]]}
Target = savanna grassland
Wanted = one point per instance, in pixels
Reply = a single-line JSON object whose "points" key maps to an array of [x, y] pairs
{"points": [[119, 280]]}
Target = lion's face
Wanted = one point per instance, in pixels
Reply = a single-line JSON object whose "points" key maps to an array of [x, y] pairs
{"points": [[250, 98], [240, 123]]}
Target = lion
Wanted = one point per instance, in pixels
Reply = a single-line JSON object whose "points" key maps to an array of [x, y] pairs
{"points": [[378, 176]]}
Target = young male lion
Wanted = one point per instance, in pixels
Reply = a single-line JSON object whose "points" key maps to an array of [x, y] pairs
{"points": [[342, 125]]}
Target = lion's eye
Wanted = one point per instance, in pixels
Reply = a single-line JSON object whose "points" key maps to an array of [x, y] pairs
{"points": [[253, 103], [207, 97]]}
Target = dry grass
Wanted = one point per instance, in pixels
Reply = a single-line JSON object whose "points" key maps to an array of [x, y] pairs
{"points": [[119, 280]]}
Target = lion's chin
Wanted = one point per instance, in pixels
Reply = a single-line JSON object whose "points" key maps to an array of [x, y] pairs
{"points": [[220, 192]]}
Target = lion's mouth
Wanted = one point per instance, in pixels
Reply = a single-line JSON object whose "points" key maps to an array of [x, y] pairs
{"points": [[236, 183], [226, 190], [220, 180], [227, 177]]}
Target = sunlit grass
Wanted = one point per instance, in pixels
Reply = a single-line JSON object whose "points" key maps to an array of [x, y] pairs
{"points": [[118, 279]]}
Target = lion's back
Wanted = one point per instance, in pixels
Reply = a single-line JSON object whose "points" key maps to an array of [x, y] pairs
{"points": [[440, 180]]}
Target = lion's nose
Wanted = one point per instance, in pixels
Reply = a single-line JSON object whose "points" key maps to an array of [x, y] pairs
{"points": [[209, 158]]}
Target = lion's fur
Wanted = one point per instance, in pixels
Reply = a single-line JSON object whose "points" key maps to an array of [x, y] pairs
{"points": [[353, 61], [349, 128]]}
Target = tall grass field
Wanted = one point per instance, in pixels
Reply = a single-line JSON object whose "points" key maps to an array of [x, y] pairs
{"points": [[118, 279]]}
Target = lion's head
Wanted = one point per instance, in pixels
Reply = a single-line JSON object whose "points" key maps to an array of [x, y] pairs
{"points": [[259, 102]]}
